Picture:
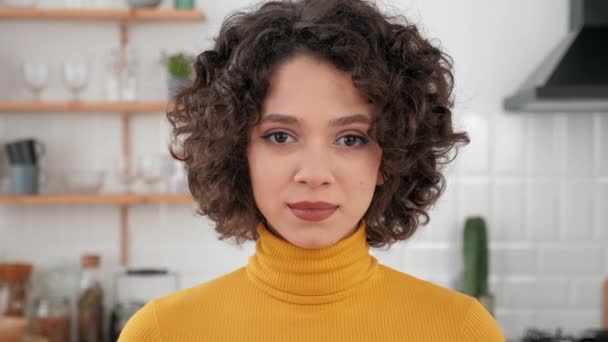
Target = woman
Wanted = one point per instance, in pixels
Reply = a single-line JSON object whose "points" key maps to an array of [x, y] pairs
{"points": [[316, 128]]}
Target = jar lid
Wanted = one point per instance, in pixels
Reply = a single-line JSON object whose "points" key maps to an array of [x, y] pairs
{"points": [[90, 260], [15, 272]]}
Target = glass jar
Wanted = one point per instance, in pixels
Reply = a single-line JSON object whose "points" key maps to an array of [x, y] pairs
{"points": [[14, 286], [51, 319]]}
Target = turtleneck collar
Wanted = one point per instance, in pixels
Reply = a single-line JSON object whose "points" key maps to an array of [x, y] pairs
{"points": [[311, 276]]}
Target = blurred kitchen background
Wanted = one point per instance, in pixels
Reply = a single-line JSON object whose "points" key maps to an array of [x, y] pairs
{"points": [[83, 89]]}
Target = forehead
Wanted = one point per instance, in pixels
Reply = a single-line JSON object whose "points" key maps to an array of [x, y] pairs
{"points": [[309, 89]]}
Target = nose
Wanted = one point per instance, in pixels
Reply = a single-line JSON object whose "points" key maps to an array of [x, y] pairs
{"points": [[315, 167]]}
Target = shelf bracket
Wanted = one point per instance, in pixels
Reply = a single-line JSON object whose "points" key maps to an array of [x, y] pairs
{"points": [[124, 209], [124, 34], [124, 235]]}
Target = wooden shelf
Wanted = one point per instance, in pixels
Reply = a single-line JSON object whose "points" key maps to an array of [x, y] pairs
{"points": [[123, 17], [101, 14], [109, 198], [83, 106]]}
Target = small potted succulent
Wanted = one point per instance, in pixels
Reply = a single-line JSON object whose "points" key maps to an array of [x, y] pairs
{"points": [[179, 70]]}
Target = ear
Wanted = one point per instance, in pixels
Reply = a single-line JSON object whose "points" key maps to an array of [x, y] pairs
{"points": [[379, 179]]}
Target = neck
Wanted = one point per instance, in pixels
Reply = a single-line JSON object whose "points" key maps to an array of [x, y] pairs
{"points": [[300, 275], [278, 235]]}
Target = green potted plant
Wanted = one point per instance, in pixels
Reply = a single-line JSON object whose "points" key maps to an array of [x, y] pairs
{"points": [[179, 70], [474, 281]]}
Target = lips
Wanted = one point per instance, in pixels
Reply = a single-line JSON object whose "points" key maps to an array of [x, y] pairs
{"points": [[312, 205], [312, 211]]}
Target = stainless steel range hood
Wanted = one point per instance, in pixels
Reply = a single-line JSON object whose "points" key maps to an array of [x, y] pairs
{"points": [[574, 77]]}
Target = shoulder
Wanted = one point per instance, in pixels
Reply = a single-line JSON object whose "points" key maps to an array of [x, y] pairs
{"points": [[479, 325], [147, 323], [201, 290], [428, 292], [473, 321], [142, 326]]}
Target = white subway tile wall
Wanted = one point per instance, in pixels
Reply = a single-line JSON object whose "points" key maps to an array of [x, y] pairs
{"points": [[540, 180]]}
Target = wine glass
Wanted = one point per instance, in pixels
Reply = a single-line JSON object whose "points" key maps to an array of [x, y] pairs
{"points": [[149, 169], [76, 77], [121, 177], [36, 76]]}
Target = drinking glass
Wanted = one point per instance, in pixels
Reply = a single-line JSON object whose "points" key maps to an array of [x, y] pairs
{"points": [[121, 176], [36, 76], [149, 170], [76, 77]]}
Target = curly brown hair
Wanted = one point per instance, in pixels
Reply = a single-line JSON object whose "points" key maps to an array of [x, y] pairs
{"points": [[407, 79]]}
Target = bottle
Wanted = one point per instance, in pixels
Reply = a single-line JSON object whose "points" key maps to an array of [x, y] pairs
{"points": [[90, 301], [112, 86], [128, 79]]}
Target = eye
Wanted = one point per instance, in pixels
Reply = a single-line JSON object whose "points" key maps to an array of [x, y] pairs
{"points": [[351, 140], [280, 137]]}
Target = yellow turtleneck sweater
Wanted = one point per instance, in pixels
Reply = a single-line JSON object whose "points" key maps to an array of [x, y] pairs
{"points": [[337, 293]]}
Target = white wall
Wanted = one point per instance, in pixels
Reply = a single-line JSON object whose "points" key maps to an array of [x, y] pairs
{"points": [[540, 179]]}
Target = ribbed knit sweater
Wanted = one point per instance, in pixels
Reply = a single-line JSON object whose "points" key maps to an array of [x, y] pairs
{"points": [[337, 293]]}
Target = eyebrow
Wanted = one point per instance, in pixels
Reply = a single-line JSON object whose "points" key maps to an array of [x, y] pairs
{"points": [[291, 120]]}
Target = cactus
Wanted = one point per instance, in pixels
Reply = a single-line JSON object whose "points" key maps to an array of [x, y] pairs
{"points": [[475, 253]]}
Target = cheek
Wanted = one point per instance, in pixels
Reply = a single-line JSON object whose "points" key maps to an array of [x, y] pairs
{"points": [[252, 164], [362, 182], [367, 180], [264, 172], [368, 169]]}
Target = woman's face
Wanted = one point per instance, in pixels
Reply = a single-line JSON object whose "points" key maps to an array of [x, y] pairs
{"points": [[312, 144]]}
